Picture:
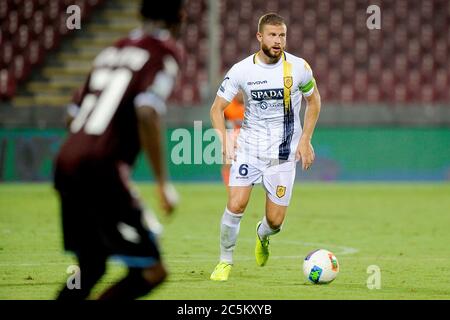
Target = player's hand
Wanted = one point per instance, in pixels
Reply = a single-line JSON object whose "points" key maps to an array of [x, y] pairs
{"points": [[305, 152], [168, 197]]}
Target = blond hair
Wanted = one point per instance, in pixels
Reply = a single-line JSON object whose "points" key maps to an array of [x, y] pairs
{"points": [[270, 18]]}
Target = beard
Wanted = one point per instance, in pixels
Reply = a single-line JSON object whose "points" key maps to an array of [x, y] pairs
{"points": [[271, 55]]}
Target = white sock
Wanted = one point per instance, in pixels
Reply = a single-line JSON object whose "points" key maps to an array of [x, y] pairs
{"points": [[264, 230], [229, 230]]}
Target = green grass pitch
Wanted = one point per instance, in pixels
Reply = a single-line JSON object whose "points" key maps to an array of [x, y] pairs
{"points": [[404, 229]]}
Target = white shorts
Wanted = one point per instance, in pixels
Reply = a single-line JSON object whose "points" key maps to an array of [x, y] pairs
{"points": [[277, 178]]}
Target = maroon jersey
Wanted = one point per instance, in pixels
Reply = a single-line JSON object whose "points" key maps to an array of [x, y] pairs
{"points": [[136, 71]]}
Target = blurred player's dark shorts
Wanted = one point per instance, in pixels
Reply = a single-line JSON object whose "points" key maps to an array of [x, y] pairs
{"points": [[100, 216]]}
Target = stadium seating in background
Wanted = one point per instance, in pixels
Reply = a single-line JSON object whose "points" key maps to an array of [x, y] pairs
{"points": [[406, 62], [194, 72], [30, 29]]}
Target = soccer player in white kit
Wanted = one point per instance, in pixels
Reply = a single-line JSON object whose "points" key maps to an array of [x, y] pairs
{"points": [[271, 139]]}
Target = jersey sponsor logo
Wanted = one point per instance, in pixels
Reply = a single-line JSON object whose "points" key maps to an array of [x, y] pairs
{"points": [[264, 105], [281, 191], [267, 94], [253, 83], [224, 83]]}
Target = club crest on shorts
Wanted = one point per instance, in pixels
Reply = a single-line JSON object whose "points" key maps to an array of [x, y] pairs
{"points": [[281, 191], [288, 82]]}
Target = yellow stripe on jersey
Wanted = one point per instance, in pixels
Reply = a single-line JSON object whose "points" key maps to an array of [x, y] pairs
{"points": [[287, 81]]}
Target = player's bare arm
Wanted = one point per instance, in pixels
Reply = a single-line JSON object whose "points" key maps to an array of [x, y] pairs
{"points": [[305, 150], [150, 136], [218, 123]]}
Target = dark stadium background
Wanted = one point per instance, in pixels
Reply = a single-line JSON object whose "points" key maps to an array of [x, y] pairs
{"points": [[385, 93]]}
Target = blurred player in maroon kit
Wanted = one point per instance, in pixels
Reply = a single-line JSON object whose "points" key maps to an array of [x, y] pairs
{"points": [[114, 116]]}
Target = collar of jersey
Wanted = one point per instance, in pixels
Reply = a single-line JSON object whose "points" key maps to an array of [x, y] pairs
{"points": [[258, 62]]}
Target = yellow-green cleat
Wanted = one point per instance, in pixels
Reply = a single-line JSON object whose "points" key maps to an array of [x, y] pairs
{"points": [[261, 249], [221, 272]]}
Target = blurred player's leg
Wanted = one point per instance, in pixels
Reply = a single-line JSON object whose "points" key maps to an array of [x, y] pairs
{"points": [[138, 282], [92, 268]]}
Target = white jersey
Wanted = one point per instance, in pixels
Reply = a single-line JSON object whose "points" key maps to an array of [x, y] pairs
{"points": [[272, 93]]}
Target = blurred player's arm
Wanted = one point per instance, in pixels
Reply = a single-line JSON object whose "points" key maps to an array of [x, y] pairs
{"points": [[72, 111], [305, 150], [150, 106], [150, 135], [73, 108], [218, 123]]}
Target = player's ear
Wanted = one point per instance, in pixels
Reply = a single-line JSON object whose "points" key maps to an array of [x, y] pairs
{"points": [[259, 36]]}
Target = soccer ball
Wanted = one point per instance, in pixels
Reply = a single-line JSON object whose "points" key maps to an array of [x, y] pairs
{"points": [[320, 266]]}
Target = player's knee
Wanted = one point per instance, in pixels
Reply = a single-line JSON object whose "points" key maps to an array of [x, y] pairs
{"points": [[91, 271], [236, 206], [275, 223], [144, 280], [162, 275], [156, 274]]}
